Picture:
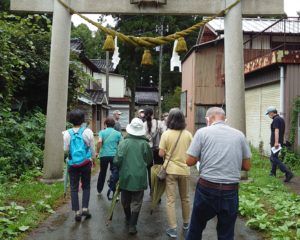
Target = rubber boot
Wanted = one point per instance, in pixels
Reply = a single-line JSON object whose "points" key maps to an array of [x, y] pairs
{"points": [[132, 223], [127, 212]]}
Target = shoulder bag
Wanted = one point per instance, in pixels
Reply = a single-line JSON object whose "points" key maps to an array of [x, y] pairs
{"points": [[162, 174]]}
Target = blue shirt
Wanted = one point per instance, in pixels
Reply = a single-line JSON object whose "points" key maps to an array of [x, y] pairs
{"points": [[221, 150], [110, 140]]}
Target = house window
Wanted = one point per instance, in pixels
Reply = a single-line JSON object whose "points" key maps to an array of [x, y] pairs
{"points": [[98, 115], [183, 102], [200, 114]]}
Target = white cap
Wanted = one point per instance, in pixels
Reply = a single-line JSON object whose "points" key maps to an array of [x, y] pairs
{"points": [[271, 109]]}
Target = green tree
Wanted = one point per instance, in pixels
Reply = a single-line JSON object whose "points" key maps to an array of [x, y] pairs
{"points": [[24, 73], [24, 62], [18, 52], [92, 41], [171, 100]]}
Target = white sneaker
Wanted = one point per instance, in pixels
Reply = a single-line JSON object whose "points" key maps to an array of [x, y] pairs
{"points": [[172, 232]]}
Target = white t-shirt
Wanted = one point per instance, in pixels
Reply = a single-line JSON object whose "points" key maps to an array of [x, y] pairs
{"points": [[156, 126], [88, 138]]}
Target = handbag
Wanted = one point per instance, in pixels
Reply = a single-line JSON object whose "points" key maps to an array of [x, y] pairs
{"points": [[162, 174]]}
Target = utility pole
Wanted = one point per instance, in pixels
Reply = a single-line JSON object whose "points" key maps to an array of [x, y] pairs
{"points": [[159, 79], [107, 76], [161, 30]]}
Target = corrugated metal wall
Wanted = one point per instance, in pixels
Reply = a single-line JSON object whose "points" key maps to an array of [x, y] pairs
{"points": [[259, 78], [257, 123], [292, 89], [188, 81], [209, 72]]}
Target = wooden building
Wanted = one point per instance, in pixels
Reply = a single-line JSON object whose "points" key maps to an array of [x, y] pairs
{"points": [[272, 74], [146, 97]]}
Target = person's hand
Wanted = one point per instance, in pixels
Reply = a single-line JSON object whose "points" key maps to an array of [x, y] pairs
{"points": [[97, 155], [276, 145]]}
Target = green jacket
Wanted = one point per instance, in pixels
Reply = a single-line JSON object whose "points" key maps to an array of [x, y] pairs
{"points": [[133, 156]]}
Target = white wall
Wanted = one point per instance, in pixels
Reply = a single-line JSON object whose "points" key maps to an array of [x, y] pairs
{"points": [[117, 84]]}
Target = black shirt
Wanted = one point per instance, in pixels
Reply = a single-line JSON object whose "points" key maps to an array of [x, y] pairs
{"points": [[277, 122]]}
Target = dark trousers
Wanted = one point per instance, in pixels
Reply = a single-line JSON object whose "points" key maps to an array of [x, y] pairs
{"points": [[104, 161], [82, 174], [209, 203], [275, 162], [132, 200]]}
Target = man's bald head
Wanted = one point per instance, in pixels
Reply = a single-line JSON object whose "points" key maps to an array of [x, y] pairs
{"points": [[215, 111], [214, 114]]}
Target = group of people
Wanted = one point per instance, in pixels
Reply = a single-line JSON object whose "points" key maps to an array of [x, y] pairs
{"points": [[221, 150]]}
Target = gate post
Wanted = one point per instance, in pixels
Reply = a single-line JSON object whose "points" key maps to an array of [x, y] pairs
{"points": [[234, 70], [57, 93], [234, 67]]}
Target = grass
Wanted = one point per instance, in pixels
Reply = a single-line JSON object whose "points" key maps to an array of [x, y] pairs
{"points": [[267, 203], [25, 203]]}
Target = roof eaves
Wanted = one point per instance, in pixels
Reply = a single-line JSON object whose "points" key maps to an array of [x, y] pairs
{"points": [[85, 100], [201, 45]]}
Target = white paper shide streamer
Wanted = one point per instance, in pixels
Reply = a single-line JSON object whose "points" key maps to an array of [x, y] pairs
{"points": [[175, 59], [115, 58]]}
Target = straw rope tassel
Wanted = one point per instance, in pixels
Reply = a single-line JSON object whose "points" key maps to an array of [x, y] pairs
{"points": [[181, 45], [109, 44], [147, 58]]}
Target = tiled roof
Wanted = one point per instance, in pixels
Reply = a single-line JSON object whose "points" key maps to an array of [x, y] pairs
{"points": [[96, 95], [291, 25], [92, 96], [76, 44], [101, 64]]}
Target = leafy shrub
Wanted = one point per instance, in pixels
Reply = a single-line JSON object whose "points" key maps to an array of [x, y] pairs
{"points": [[290, 157], [21, 142]]}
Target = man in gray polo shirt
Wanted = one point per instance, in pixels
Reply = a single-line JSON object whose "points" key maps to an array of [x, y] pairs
{"points": [[223, 152]]}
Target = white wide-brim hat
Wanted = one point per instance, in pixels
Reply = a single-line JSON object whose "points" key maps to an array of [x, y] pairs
{"points": [[136, 127]]}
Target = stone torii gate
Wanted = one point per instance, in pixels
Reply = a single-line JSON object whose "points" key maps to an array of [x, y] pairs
{"points": [[60, 47]]}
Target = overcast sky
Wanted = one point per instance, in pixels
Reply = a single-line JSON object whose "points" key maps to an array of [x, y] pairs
{"points": [[290, 6]]}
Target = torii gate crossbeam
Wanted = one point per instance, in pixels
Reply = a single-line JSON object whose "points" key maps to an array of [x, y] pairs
{"points": [[60, 48], [173, 7]]}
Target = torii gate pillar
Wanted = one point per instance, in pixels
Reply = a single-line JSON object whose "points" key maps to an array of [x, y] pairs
{"points": [[57, 93], [60, 47], [234, 68]]}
